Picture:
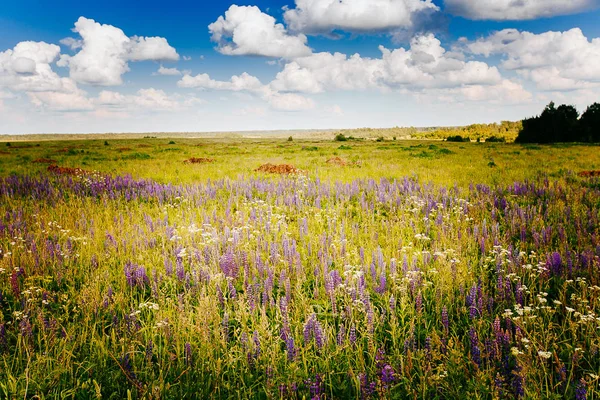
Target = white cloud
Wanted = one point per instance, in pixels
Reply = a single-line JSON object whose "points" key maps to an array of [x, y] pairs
{"points": [[151, 48], [186, 58], [502, 10], [289, 102], [245, 30], [506, 92], [106, 50], [60, 101], [27, 68], [168, 71], [425, 65], [251, 84], [323, 16], [71, 43], [243, 82], [144, 99], [71, 98], [552, 60]]}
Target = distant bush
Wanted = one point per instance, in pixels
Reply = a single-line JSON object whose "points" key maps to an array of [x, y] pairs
{"points": [[106, 143], [171, 142], [342, 147], [290, 139], [457, 138], [495, 139], [380, 139], [340, 138], [310, 148]]}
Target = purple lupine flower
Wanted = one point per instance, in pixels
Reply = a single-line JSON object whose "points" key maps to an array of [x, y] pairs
{"points": [[188, 354], [581, 390], [445, 321], [26, 328], [256, 341], [228, 265], [387, 375], [135, 275], [179, 269], [352, 335], [316, 387], [517, 382], [382, 284], [290, 348], [126, 364], [367, 389], [149, 350]]}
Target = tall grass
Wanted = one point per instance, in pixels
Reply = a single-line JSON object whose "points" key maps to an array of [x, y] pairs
{"points": [[304, 286]]}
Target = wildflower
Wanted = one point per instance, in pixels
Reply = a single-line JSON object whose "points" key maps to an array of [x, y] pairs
{"points": [[445, 321], [581, 390], [188, 353], [545, 354]]}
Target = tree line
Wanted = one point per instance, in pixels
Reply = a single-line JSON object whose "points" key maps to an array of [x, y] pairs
{"points": [[562, 124]]}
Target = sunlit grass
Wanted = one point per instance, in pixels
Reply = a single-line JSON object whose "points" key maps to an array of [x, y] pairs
{"points": [[420, 270]]}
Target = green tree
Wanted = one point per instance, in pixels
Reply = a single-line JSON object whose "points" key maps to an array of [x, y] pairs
{"points": [[590, 123]]}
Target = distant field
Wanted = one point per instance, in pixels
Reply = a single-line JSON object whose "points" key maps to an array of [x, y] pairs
{"points": [[442, 163], [169, 268]]}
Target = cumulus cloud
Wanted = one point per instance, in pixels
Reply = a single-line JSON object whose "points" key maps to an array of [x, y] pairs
{"points": [[151, 48], [70, 98], [27, 67], [502, 10], [289, 102], [145, 99], [323, 16], [245, 30], [105, 52], [251, 84], [168, 71], [553, 60], [237, 83], [60, 101], [425, 65], [71, 43], [505, 92]]}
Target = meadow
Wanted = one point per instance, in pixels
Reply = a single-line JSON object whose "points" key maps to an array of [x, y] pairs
{"points": [[377, 269]]}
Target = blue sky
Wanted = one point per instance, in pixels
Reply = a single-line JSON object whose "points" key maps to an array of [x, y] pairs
{"points": [[71, 66]]}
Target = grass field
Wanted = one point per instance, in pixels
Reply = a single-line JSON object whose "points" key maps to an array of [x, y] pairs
{"points": [[392, 269]]}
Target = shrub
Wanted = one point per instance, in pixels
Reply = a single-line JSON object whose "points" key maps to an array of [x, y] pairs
{"points": [[340, 138], [457, 138], [495, 139]]}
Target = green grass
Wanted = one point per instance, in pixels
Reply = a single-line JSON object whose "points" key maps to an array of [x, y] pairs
{"points": [[357, 264]]}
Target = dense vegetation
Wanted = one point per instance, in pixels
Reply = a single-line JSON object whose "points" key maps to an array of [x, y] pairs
{"points": [[562, 124], [506, 130], [414, 270]]}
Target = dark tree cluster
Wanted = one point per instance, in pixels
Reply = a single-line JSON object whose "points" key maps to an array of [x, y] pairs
{"points": [[562, 124]]}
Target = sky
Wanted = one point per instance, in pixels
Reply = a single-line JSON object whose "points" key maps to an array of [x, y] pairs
{"points": [[68, 66]]}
